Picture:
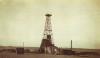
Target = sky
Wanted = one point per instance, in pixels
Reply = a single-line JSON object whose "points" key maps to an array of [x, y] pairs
{"points": [[76, 20]]}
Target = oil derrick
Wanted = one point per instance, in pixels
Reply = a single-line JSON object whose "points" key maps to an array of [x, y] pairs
{"points": [[47, 45]]}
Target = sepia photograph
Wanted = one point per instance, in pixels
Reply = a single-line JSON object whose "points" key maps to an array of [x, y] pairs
{"points": [[49, 28]]}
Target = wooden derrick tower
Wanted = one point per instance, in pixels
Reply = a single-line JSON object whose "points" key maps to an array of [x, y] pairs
{"points": [[47, 46]]}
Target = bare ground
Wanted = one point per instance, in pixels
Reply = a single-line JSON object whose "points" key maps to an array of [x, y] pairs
{"points": [[14, 55]]}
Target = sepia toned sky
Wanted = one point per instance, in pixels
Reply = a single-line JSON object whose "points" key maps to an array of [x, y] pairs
{"points": [[77, 20]]}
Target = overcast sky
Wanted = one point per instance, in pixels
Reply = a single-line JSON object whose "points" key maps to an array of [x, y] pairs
{"points": [[77, 20]]}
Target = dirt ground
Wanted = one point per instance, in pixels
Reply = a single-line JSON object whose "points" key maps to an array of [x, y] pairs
{"points": [[14, 55]]}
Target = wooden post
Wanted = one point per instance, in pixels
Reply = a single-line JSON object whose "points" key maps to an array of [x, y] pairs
{"points": [[71, 45]]}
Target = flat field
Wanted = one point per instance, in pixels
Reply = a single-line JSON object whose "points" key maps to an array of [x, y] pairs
{"points": [[14, 55]]}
